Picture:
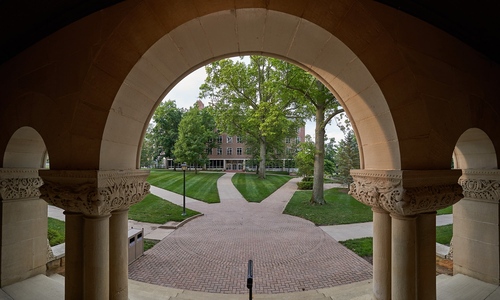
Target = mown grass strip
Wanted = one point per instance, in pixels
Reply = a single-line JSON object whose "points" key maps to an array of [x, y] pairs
{"points": [[201, 186], [254, 189], [340, 208], [153, 209]]}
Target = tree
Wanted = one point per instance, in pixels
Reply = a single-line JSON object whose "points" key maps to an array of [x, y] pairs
{"points": [[305, 157], [148, 151], [196, 134], [346, 157], [164, 134], [321, 104], [248, 102]]}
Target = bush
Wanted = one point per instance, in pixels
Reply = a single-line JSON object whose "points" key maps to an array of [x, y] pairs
{"points": [[55, 238], [306, 183]]}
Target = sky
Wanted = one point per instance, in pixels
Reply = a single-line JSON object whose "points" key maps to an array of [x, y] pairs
{"points": [[186, 92]]}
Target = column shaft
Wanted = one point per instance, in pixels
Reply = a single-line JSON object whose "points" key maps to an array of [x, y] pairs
{"points": [[118, 255], [96, 257], [73, 278], [403, 257], [426, 259], [381, 254]]}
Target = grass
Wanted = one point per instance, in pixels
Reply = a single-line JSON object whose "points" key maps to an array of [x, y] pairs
{"points": [[364, 246], [148, 244], [340, 208], [56, 233], [201, 186], [153, 209], [254, 189], [444, 234], [445, 211]]}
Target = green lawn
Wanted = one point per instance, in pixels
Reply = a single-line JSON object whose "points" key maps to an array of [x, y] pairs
{"points": [[201, 186], [444, 234], [153, 209], [364, 246], [340, 208], [254, 189], [56, 233]]}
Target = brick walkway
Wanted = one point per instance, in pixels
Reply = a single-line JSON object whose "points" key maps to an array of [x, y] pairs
{"points": [[210, 254]]}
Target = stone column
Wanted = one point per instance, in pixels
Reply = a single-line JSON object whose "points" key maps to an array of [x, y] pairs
{"points": [[96, 194], [404, 257], [426, 256], [405, 194], [476, 224], [23, 228], [381, 254], [118, 259], [96, 257], [73, 278]]}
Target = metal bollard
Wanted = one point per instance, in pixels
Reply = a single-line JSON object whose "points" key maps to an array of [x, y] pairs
{"points": [[250, 279]]}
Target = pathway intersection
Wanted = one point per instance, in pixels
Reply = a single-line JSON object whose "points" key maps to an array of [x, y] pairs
{"points": [[210, 253]]}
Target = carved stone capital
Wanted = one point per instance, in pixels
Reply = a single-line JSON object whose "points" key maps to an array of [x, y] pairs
{"points": [[94, 192], [406, 192], [481, 185], [19, 184]]}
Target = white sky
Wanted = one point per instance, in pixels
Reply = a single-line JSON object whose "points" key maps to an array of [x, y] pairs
{"points": [[186, 92]]}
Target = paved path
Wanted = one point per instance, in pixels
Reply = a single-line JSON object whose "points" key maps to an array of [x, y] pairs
{"points": [[210, 254]]}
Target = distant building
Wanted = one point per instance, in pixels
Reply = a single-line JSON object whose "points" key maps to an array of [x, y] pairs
{"points": [[233, 153]]}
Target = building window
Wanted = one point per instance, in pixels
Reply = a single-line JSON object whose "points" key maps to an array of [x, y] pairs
{"points": [[287, 140], [238, 140], [209, 151], [229, 151], [229, 139], [239, 151], [248, 150], [219, 139], [297, 140], [219, 151]]}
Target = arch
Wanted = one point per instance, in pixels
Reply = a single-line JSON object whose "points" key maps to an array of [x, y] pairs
{"points": [[475, 150], [25, 149], [249, 31]]}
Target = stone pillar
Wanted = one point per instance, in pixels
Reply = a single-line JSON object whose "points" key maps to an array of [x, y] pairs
{"points": [[405, 194], [118, 244], [23, 236], [96, 194], [476, 226], [73, 278], [381, 254], [96, 257], [426, 256], [404, 257]]}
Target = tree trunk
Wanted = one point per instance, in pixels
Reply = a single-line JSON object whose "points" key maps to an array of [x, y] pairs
{"points": [[319, 158], [262, 162]]}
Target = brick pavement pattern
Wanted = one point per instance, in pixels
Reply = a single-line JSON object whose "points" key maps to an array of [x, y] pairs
{"points": [[210, 253]]}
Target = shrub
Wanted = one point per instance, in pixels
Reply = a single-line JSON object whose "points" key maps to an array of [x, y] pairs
{"points": [[55, 238], [306, 183]]}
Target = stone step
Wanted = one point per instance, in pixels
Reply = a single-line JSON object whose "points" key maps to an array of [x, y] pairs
{"points": [[58, 278]]}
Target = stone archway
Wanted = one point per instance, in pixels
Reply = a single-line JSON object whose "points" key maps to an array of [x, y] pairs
{"points": [[249, 31], [476, 217], [23, 220]]}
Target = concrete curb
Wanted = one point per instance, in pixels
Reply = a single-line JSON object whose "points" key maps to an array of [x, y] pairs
{"points": [[175, 225]]}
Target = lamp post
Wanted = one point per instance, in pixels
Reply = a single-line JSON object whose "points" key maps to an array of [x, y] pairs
{"points": [[184, 167]]}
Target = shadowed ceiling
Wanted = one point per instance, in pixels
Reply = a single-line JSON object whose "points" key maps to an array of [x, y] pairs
{"points": [[24, 22]]}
